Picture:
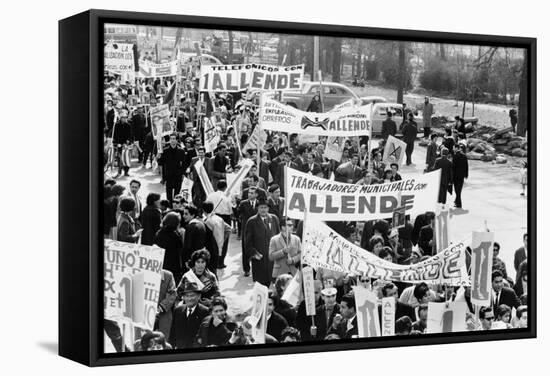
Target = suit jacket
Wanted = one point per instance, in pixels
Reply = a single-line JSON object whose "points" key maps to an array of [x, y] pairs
{"points": [[389, 128], [508, 297], [151, 218], [167, 297], [409, 131], [257, 238], [460, 167], [342, 329], [172, 161], [347, 171], [194, 239], [446, 167], [184, 329], [315, 169], [276, 254], [275, 325], [276, 207], [321, 320], [246, 211], [519, 257], [210, 335]]}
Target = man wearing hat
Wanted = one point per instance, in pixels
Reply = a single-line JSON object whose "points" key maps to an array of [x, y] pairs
{"points": [[187, 318], [326, 311], [259, 230]]}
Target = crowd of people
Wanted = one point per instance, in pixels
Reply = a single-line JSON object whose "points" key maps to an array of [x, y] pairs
{"points": [[195, 228]]}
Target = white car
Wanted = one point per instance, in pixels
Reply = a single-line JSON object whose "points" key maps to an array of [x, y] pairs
{"points": [[372, 99], [379, 114]]}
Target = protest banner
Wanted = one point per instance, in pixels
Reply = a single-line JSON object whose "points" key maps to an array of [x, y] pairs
{"points": [[447, 317], [366, 306], [235, 179], [258, 315], [394, 151], [119, 58], [303, 138], [257, 139], [160, 115], [211, 135], [204, 178], [148, 69], [388, 316], [334, 148], [346, 104], [482, 266], [132, 275], [309, 290], [186, 189], [347, 122], [293, 292], [442, 232], [322, 247], [337, 201], [240, 77]]}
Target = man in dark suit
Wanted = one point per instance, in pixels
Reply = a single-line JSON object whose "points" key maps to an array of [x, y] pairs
{"points": [[172, 160], [501, 294], [167, 297], [280, 176], [187, 318], [345, 323], [431, 152], [410, 130], [445, 165], [254, 182], [349, 172], [220, 165], [275, 201], [195, 232], [326, 312], [460, 172], [311, 167], [520, 254], [389, 290], [275, 321], [257, 233], [389, 128], [247, 208], [198, 192], [426, 235]]}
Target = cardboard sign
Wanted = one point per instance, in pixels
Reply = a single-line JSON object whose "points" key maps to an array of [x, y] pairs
{"points": [[346, 122], [257, 136], [119, 58], [442, 231], [309, 290], [388, 316], [322, 247], [394, 151], [337, 201], [258, 316], [148, 69], [132, 275], [293, 292], [482, 266], [204, 178], [211, 135], [240, 77], [160, 116], [446, 317], [186, 189], [334, 148], [399, 218], [235, 179], [366, 306]]}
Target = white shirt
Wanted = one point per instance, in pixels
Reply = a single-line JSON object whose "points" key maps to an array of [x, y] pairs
{"points": [[222, 203], [217, 226]]}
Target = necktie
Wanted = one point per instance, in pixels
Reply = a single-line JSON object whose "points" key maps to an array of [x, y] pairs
{"points": [[189, 311], [253, 205], [496, 300]]}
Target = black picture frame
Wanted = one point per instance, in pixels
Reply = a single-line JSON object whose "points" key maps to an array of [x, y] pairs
{"points": [[80, 247]]}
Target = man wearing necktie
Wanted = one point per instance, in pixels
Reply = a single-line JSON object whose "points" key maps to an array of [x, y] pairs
{"points": [[258, 231], [247, 208]]}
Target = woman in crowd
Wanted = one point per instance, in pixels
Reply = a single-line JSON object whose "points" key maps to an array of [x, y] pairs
{"points": [[126, 226], [171, 240], [197, 264]]}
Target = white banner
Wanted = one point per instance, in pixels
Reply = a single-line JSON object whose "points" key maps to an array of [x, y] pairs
{"points": [[119, 58], [322, 247], [258, 315], [482, 266], [132, 274], [336, 201], [148, 69], [347, 122], [240, 77], [442, 232], [366, 306], [204, 178], [186, 189], [388, 316], [394, 151]]}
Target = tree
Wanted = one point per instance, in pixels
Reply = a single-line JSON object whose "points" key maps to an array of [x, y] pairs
{"points": [[401, 72], [336, 58], [523, 96]]}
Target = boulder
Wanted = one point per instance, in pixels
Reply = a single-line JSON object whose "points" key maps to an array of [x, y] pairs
{"points": [[479, 148], [489, 156], [524, 145], [485, 136], [518, 152], [500, 141], [474, 156], [507, 135], [501, 148], [515, 144], [500, 132], [500, 159], [474, 141]]}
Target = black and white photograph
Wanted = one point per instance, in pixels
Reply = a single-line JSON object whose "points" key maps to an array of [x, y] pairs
{"points": [[238, 163]]}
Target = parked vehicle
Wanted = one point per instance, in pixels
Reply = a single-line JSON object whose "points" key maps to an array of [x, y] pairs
{"points": [[333, 94], [372, 99], [380, 111]]}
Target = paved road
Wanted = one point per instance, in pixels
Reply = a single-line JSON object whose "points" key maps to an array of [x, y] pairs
{"points": [[492, 194]]}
